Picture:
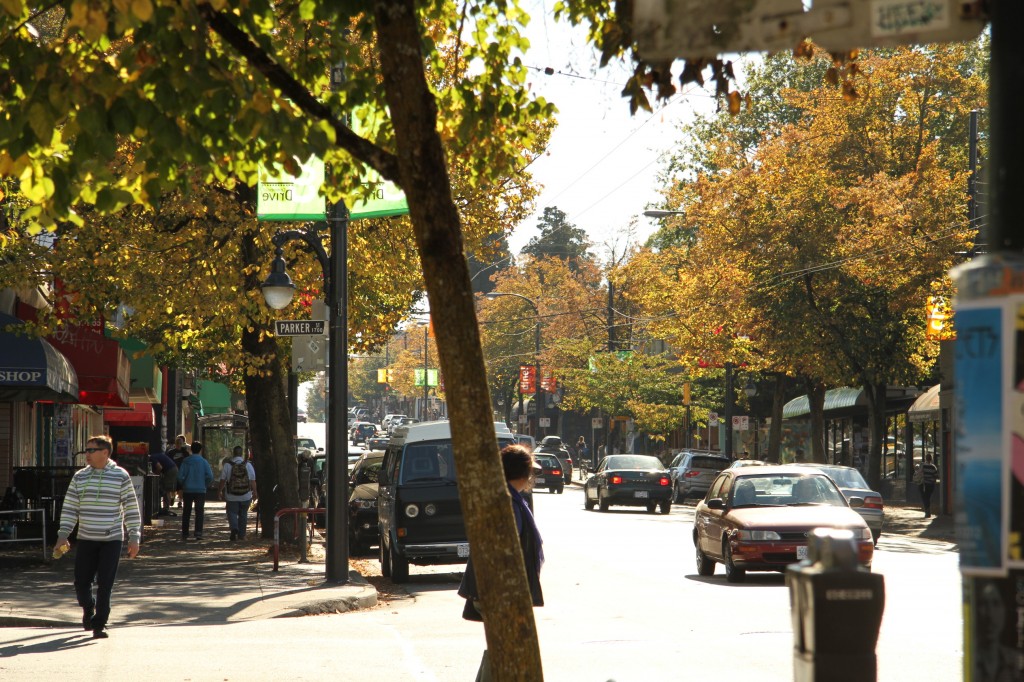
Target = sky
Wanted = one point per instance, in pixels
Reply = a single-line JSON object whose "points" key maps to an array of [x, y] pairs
{"points": [[601, 165]]}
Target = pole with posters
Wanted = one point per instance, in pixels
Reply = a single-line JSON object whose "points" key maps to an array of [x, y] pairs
{"points": [[989, 378]]}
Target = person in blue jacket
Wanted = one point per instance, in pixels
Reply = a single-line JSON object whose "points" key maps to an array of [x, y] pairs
{"points": [[195, 475]]}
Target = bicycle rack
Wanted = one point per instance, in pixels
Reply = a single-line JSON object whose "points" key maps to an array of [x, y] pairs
{"points": [[309, 511]]}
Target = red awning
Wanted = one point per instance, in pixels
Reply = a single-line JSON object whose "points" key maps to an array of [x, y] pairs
{"points": [[137, 414], [104, 372]]}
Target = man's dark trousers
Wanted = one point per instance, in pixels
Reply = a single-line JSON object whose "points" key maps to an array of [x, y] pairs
{"points": [[199, 500], [96, 559]]}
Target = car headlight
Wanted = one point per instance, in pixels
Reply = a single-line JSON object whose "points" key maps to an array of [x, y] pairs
{"points": [[430, 509], [412, 511], [757, 535]]}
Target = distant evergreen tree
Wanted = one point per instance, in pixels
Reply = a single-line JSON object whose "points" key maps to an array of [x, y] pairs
{"points": [[559, 239], [316, 399]]}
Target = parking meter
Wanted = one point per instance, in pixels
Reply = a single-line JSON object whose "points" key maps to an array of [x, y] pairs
{"points": [[836, 607]]}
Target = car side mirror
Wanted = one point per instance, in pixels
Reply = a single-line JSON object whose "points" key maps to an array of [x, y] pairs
{"points": [[856, 501], [715, 503]]}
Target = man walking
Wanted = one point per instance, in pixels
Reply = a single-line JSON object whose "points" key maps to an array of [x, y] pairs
{"points": [[196, 477], [237, 489], [929, 475], [101, 501]]}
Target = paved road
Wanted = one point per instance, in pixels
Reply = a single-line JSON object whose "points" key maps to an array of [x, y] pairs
{"points": [[623, 603]]}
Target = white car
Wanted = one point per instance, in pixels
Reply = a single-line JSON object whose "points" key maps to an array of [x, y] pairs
{"points": [[386, 421]]}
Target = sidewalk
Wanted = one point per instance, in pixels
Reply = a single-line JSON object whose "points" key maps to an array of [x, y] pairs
{"points": [[171, 581]]}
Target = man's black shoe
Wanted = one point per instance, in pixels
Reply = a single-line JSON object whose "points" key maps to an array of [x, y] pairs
{"points": [[99, 633], [234, 535], [87, 614]]}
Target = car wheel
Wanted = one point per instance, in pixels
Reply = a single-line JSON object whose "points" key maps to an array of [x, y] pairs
{"points": [[588, 503], [732, 573], [603, 503], [705, 565], [560, 489], [652, 507], [399, 568], [666, 507], [385, 560]]}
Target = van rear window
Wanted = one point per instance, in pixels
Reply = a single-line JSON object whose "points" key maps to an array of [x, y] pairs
{"points": [[709, 463]]}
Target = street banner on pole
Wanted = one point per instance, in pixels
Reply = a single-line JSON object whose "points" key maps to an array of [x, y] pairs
{"points": [[283, 196]]}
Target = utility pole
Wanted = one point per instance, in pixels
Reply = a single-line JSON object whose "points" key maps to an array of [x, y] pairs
{"points": [[612, 347]]}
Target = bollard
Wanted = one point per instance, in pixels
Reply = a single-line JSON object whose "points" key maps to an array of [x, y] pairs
{"points": [[277, 531], [836, 607]]}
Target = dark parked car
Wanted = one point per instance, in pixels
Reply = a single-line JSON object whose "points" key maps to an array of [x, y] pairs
{"points": [[553, 445], [550, 474], [363, 525], [377, 443], [693, 471], [629, 480], [759, 518], [852, 483]]}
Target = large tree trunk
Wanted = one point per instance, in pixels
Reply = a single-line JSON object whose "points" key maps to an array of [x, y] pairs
{"points": [[497, 558], [266, 395], [876, 423], [816, 401], [775, 431]]}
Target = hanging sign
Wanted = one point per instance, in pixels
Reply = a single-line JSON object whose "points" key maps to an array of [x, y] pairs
{"points": [[282, 196]]}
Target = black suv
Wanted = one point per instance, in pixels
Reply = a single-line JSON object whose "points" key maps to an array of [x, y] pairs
{"points": [[550, 473], [553, 445]]}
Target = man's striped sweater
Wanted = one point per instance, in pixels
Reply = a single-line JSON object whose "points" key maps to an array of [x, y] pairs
{"points": [[101, 502]]}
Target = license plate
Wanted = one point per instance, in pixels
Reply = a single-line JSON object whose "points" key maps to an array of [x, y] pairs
{"points": [[640, 493], [801, 552], [463, 550], [538, 480]]}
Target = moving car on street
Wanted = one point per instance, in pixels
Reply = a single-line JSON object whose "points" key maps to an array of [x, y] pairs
{"points": [[361, 431], [759, 518], [629, 480], [553, 445], [550, 474]]}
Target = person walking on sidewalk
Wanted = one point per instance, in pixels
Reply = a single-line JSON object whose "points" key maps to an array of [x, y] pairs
{"points": [[196, 477], [178, 453], [929, 475], [237, 489], [165, 467], [101, 501]]}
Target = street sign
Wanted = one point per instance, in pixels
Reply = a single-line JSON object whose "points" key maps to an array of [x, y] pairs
{"points": [[299, 327], [523, 419], [309, 354], [712, 419], [596, 423], [544, 422], [741, 423]]}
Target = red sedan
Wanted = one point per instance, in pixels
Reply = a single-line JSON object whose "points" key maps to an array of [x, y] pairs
{"points": [[759, 519]]}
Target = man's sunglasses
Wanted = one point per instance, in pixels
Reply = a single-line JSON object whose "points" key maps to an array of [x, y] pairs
{"points": [[94, 449]]}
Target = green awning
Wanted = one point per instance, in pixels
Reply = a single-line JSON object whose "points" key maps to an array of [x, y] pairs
{"points": [[215, 398], [147, 379], [835, 399]]}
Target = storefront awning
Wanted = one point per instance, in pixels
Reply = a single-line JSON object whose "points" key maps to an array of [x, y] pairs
{"points": [[33, 370], [215, 397], [835, 399], [137, 414], [104, 373], [146, 377], [926, 407]]}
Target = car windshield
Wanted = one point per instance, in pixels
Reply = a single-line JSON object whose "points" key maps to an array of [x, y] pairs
{"points": [[632, 462], [846, 478], [785, 490]]}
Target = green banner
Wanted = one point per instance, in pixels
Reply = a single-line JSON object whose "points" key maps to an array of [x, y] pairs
{"points": [[431, 377], [385, 198], [282, 196]]}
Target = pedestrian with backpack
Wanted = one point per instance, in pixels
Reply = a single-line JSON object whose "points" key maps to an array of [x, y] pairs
{"points": [[238, 490]]}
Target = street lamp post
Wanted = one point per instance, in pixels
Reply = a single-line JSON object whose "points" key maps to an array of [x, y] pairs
{"points": [[537, 391], [278, 290]]}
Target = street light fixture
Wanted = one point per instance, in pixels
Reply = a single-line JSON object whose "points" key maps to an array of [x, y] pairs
{"points": [[658, 213], [278, 290], [750, 388], [537, 399]]}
